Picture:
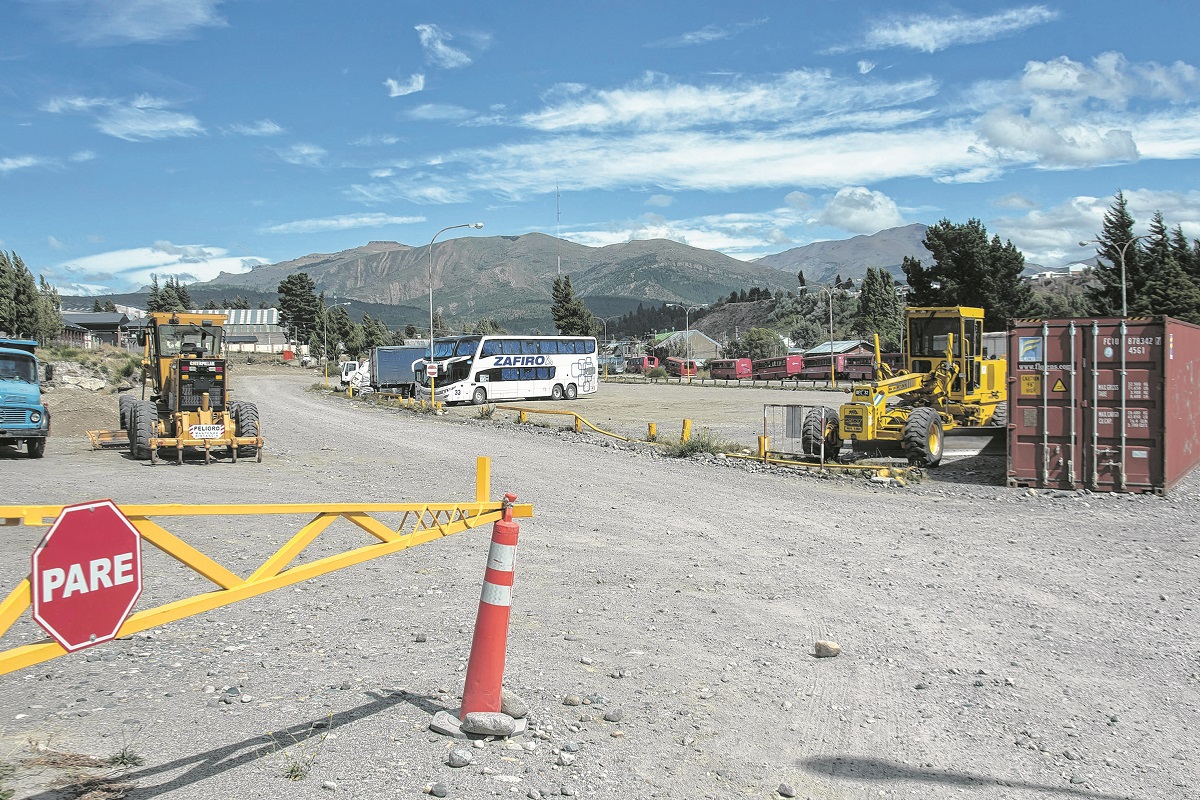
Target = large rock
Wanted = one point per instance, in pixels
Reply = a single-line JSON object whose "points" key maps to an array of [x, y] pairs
{"points": [[489, 723]]}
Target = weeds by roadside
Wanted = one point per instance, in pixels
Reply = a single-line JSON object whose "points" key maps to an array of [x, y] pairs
{"points": [[703, 442], [298, 757]]}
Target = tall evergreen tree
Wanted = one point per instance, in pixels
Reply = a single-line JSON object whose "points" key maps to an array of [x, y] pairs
{"points": [[299, 308], [970, 270], [1116, 246], [96, 307], [154, 299], [571, 316], [879, 309]]}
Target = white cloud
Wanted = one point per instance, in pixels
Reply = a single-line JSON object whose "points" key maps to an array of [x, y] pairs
{"points": [[341, 223], [303, 154], [707, 34], [437, 51], [865, 66], [130, 269], [657, 103], [141, 118], [83, 156], [415, 83], [54, 243], [103, 22], [1051, 236], [930, 34], [799, 200], [1015, 200], [264, 127], [660, 200], [21, 162], [861, 210], [440, 111]]}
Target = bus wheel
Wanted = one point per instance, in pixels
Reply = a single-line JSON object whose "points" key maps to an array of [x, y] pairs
{"points": [[556, 393], [572, 391], [480, 396]]}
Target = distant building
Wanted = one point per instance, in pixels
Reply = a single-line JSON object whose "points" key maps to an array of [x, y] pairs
{"points": [[840, 347], [101, 327], [699, 347], [252, 330]]}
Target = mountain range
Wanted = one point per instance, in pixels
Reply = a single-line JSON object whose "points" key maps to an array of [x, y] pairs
{"points": [[509, 278]]}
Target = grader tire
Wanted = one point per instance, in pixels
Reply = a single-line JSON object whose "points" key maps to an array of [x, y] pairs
{"points": [[924, 440], [1000, 416], [142, 416], [124, 404], [820, 425], [245, 419]]}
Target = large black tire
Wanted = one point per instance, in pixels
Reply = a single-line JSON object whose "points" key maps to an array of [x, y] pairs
{"points": [[1000, 416], [572, 391], [124, 404], [557, 392], [924, 441], [480, 396], [36, 448], [245, 420], [821, 425], [142, 417]]}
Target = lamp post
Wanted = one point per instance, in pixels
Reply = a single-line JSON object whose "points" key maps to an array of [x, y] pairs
{"points": [[325, 336], [1122, 251], [605, 320], [475, 225], [832, 368], [687, 332]]}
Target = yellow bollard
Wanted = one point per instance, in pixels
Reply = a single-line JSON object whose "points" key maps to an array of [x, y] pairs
{"points": [[686, 435], [522, 417], [763, 447], [578, 424], [652, 432]]}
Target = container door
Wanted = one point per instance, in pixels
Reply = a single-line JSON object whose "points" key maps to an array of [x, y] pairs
{"points": [[1044, 444], [1124, 419]]}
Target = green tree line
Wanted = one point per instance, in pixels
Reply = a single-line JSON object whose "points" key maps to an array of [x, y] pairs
{"points": [[28, 308]]}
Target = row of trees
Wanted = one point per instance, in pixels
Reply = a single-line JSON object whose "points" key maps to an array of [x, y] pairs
{"points": [[28, 308]]}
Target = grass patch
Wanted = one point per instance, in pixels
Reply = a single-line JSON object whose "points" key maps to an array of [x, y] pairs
{"points": [[657, 372], [297, 758], [487, 410], [705, 441]]}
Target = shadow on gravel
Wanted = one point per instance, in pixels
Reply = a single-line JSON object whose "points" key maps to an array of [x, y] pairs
{"points": [[200, 766], [875, 769]]}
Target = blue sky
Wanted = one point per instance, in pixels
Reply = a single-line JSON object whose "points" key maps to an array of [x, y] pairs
{"points": [[185, 137]]}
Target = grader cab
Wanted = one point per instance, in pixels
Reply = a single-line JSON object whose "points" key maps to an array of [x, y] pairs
{"points": [[189, 404], [948, 382]]}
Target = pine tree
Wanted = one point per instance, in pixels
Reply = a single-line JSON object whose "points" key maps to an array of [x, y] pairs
{"points": [[96, 307], [110, 307], [1117, 246], [299, 308], [154, 300], [970, 270], [571, 316], [879, 309]]}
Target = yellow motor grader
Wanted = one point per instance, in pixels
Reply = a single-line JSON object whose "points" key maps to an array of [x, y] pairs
{"points": [[947, 382], [189, 405]]}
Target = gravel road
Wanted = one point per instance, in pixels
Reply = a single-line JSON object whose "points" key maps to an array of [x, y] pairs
{"points": [[996, 643]]}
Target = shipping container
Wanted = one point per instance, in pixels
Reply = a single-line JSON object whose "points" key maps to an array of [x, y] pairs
{"points": [[1106, 405]]}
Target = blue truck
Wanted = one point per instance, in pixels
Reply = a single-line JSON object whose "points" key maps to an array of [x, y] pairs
{"points": [[392, 368], [23, 415]]}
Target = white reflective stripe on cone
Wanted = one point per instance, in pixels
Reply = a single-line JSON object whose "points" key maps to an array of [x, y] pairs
{"points": [[495, 595], [502, 557]]}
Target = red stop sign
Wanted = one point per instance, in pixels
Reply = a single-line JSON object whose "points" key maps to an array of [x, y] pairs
{"points": [[87, 574]]}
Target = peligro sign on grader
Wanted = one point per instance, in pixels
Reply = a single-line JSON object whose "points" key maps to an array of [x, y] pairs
{"points": [[87, 574]]}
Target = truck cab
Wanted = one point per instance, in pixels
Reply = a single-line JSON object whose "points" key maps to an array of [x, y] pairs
{"points": [[23, 415]]}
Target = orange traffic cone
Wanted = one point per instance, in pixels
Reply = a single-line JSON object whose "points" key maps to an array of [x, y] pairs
{"points": [[485, 667]]}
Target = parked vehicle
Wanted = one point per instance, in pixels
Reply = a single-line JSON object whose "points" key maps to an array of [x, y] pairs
{"points": [[23, 415], [731, 369], [640, 364], [392, 370], [861, 366], [779, 368], [479, 369], [346, 372], [817, 366], [681, 368], [612, 365]]}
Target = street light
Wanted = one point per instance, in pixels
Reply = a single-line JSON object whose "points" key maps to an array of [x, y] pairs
{"points": [[605, 321], [1124, 248], [832, 369], [687, 335], [475, 225]]}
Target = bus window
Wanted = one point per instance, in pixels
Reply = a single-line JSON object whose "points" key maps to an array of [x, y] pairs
{"points": [[466, 347], [491, 348], [529, 347], [548, 347], [589, 346], [512, 347]]}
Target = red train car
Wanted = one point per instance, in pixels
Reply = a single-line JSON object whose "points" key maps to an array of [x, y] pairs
{"points": [[780, 368], [680, 368], [861, 366], [816, 367], [731, 369]]}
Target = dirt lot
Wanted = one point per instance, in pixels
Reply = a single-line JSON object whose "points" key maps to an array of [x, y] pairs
{"points": [[997, 643]]}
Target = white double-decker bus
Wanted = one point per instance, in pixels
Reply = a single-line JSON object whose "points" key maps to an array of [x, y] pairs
{"points": [[483, 369]]}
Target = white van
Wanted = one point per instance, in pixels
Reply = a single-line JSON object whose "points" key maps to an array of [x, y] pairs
{"points": [[347, 370]]}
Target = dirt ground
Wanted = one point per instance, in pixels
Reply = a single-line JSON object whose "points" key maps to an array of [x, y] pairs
{"points": [[996, 643]]}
